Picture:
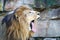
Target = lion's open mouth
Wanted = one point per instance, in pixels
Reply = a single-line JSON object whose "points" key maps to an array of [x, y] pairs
{"points": [[32, 25]]}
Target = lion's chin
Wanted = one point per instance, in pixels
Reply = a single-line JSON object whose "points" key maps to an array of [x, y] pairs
{"points": [[32, 25]]}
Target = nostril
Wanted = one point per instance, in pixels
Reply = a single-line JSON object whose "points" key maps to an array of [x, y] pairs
{"points": [[38, 19]]}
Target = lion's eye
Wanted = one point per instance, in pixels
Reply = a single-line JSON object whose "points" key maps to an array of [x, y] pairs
{"points": [[29, 12]]}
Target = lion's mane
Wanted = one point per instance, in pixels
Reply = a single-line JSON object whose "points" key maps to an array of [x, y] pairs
{"points": [[17, 29]]}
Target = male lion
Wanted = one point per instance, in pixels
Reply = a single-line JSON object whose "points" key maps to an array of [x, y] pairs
{"points": [[20, 23]]}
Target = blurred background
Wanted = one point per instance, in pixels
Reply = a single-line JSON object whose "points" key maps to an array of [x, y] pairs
{"points": [[8, 4]]}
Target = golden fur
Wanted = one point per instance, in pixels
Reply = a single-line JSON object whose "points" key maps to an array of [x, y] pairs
{"points": [[19, 30]]}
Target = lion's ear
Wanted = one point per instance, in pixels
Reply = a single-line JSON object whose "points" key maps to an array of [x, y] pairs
{"points": [[17, 17]]}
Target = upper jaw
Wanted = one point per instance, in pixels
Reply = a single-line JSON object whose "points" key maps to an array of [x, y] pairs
{"points": [[38, 16]]}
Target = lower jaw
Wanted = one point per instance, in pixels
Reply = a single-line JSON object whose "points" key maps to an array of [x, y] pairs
{"points": [[31, 33]]}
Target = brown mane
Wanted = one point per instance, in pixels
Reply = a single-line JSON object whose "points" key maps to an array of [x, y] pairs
{"points": [[19, 28]]}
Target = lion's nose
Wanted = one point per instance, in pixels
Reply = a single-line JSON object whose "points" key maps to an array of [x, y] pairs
{"points": [[38, 15]]}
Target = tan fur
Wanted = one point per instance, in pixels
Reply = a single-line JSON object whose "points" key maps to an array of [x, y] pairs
{"points": [[19, 30]]}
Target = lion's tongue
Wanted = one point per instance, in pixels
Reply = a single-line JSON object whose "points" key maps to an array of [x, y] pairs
{"points": [[33, 27]]}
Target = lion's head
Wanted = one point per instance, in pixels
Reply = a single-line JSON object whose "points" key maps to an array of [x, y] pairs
{"points": [[21, 23], [28, 15]]}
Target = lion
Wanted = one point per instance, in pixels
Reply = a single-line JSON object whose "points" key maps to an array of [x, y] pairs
{"points": [[19, 24]]}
